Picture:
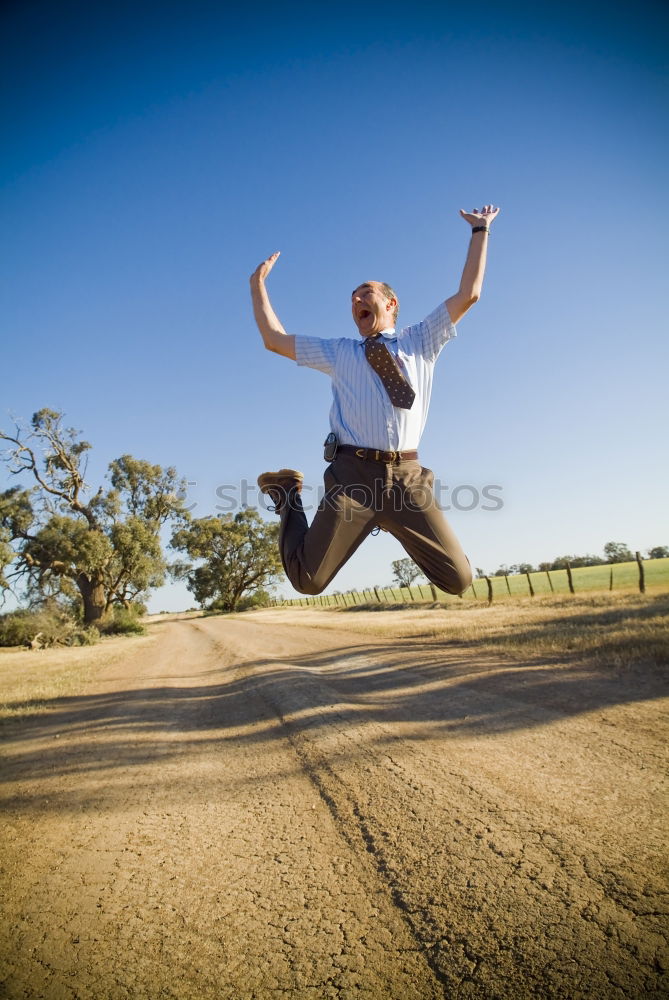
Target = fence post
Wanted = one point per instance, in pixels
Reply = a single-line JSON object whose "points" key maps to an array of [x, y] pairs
{"points": [[570, 578], [434, 591], [489, 582], [611, 578], [550, 582], [508, 586], [530, 585], [474, 591], [642, 578]]}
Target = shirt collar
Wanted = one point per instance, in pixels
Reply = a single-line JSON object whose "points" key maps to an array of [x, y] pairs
{"points": [[389, 334]]}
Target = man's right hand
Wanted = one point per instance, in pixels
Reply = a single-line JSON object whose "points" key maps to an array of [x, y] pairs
{"points": [[262, 270], [273, 334]]}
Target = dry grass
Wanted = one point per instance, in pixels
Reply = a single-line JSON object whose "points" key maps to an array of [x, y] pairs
{"points": [[615, 629], [29, 679]]}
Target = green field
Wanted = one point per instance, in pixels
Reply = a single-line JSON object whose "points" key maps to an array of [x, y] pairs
{"points": [[586, 579]]}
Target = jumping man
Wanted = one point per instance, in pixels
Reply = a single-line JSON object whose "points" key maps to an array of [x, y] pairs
{"points": [[381, 385]]}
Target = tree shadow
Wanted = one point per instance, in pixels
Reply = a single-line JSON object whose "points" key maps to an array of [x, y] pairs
{"points": [[434, 687]]}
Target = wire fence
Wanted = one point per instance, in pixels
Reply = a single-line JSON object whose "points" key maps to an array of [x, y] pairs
{"points": [[638, 574]]}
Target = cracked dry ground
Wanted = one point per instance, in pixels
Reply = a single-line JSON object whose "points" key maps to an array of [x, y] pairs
{"points": [[269, 806]]}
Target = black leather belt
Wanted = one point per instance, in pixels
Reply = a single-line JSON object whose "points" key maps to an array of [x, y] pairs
{"points": [[376, 455]]}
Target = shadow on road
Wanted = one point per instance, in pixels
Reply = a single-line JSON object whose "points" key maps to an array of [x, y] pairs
{"points": [[430, 685]]}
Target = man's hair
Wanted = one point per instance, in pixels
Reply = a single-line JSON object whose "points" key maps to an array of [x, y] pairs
{"points": [[391, 294]]}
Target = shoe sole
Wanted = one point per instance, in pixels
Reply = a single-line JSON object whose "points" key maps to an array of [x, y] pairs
{"points": [[267, 479]]}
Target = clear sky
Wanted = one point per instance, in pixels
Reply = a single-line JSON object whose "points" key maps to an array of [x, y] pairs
{"points": [[154, 153]]}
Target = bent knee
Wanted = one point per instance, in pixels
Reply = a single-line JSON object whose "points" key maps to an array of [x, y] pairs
{"points": [[456, 581], [310, 586], [308, 590], [464, 584]]}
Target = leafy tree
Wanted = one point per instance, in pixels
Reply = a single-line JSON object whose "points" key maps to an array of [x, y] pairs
{"points": [[659, 552], [58, 539], [240, 557], [405, 572], [514, 569], [616, 552], [503, 570]]}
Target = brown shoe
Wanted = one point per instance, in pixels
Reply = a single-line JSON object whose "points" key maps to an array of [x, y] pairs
{"points": [[278, 486]]}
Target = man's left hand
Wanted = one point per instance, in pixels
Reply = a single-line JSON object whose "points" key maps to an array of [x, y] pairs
{"points": [[480, 217]]}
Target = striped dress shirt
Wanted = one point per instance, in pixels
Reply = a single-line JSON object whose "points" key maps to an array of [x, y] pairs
{"points": [[361, 413]]}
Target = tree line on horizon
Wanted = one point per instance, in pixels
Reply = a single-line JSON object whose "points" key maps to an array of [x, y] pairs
{"points": [[614, 552], [405, 571]]}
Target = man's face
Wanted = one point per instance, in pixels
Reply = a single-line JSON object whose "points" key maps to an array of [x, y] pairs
{"points": [[372, 311]]}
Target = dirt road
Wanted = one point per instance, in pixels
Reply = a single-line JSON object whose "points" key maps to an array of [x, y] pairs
{"points": [[285, 805]]}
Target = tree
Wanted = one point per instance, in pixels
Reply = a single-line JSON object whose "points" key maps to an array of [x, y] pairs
{"points": [[658, 552], [240, 557], [104, 548], [574, 561], [405, 572], [617, 552]]}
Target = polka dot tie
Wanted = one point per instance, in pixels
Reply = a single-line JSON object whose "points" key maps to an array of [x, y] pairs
{"points": [[386, 367]]}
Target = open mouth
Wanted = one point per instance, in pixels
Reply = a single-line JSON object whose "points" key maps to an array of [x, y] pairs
{"points": [[364, 314]]}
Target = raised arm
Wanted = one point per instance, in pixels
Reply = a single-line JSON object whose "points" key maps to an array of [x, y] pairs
{"points": [[274, 336], [472, 275]]}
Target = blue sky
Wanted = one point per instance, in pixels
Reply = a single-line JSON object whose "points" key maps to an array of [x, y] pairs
{"points": [[155, 153]]}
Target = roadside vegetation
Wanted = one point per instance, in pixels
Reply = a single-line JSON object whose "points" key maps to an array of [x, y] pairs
{"points": [[83, 560], [61, 543], [611, 629]]}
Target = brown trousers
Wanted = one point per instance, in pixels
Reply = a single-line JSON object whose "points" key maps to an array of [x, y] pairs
{"points": [[359, 496]]}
